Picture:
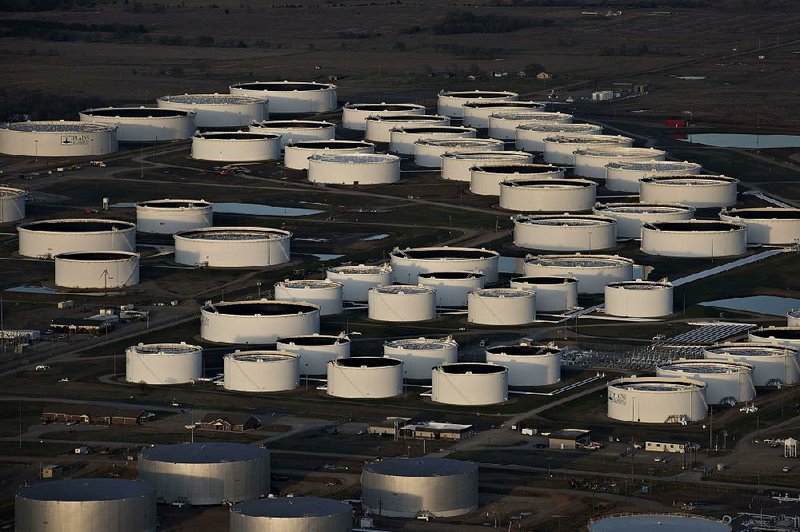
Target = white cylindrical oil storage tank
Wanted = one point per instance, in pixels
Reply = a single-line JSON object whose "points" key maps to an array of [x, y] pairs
{"points": [[326, 294], [727, 381], [485, 179], [410, 262], [793, 318], [291, 97], [354, 169], [291, 514], [421, 355], [528, 364], [639, 299], [48, 238], [501, 307], [12, 204], [144, 124], [293, 131], [553, 294], [207, 473], [564, 232], [592, 162], [315, 351], [530, 135], [469, 384], [625, 175], [657, 400], [219, 110], [654, 522], [233, 247], [429, 152], [476, 114], [773, 365], [547, 195], [365, 377], [402, 303], [788, 336], [503, 125], [379, 128], [358, 279], [403, 138], [458, 166], [355, 115], [593, 272], [694, 239], [699, 191], [86, 504], [561, 148], [296, 154], [236, 146], [450, 103], [261, 371], [170, 216], [58, 138], [97, 269], [452, 287], [767, 225], [257, 322], [408, 487], [163, 363], [631, 217]]}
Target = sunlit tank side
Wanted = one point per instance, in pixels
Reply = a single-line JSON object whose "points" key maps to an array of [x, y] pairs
{"points": [[593, 272], [379, 128], [167, 363], [458, 166], [261, 371], [293, 131], [403, 137], [233, 247], [694, 239], [365, 378], [144, 124], [553, 294], [547, 195], [561, 148], [476, 114], [773, 365], [700, 191], [727, 381], [219, 110], [297, 154], [485, 179], [355, 169], [657, 400], [315, 350], [257, 321], [326, 294], [592, 162], [530, 136], [400, 303], [421, 355], [97, 269], [450, 103], [12, 204], [787, 336], [428, 153], [452, 287], [654, 522], [57, 138], [631, 217], [503, 125], [625, 176], [639, 299], [291, 514], [355, 115], [170, 216], [501, 307], [291, 97], [564, 232], [408, 263], [358, 279], [469, 384], [48, 238], [236, 146], [528, 364], [793, 318], [767, 225]]}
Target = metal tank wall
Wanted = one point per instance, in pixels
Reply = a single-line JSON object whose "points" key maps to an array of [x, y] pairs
{"points": [[485, 180], [418, 363], [158, 127], [307, 514], [625, 177], [503, 124], [452, 289], [364, 169], [736, 383], [33, 139], [296, 156], [471, 384], [452, 103], [365, 378], [261, 247], [639, 299], [354, 115], [358, 280], [501, 307], [553, 294], [458, 166], [565, 232], [561, 148], [403, 139], [165, 366], [548, 195], [325, 294], [315, 355], [292, 131], [92, 270], [784, 336], [170, 216], [647, 406], [591, 163], [256, 329], [631, 217], [767, 225], [240, 147], [772, 364], [379, 128], [530, 136], [400, 303], [428, 153], [593, 272], [291, 97], [261, 371], [526, 368], [12, 204], [49, 243], [701, 192], [220, 110], [694, 239], [406, 269], [477, 115]]}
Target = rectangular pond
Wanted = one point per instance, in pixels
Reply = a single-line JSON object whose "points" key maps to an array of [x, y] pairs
{"points": [[769, 305]]}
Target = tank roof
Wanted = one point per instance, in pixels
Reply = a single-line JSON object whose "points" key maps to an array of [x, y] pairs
{"points": [[204, 453], [433, 129], [236, 135], [457, 143], [166, 349], [522, 104], [544, 279], [518, 168], [488, 155], [367, 362], [641, 285], [705, 367], [479, 93], [384, 106], [644, 208], [420, 467], [545, 125], [331, 144], [263, 307], [137, 112], [234, 233], [85, 490], [690, 180], [474, 368], [421, 343], [310, 283], [58, 126], [175, 204], [355, 158], [9, 192], [293, 124], [619, 151], [262, 356], [657, 523], [586, 139], [363, 269], [291, 507], [579, 260], [284, 85], [444, 253], [564, 220], [527, 115], [763, 213], [654, 166], [212, 99], [523, 350], [450, 275], [549, 183], [315, 339], [502, 292], [99, 256], [750, 349], [783, 333], [407, 118], [654, 384], [77, 225], [403, 289], [695, 226]]}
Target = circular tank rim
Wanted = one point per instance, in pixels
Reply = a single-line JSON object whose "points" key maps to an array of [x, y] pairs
{"points": [[335, 340], [32, 226], [695, 180], [684, 366], [569, 220], [257, 356], [541, 184], [189, 234], [367, 363], [236, 136], [333, 144], [466, 94], [174, 204], [677, 384], [312, 86], [601, 261], [777, 333], [96, 256], [158, 348], [695, 227], [750, 349], [523, 350], [470, 368], [484, 253], [209, 97], [639, 283], [293, 124], [745, 213], [61, 126], [551, 280], [637, 208], [301, 306], [451, 275], [158, 112]]}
